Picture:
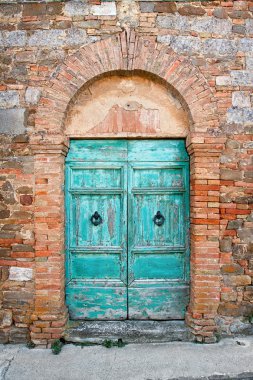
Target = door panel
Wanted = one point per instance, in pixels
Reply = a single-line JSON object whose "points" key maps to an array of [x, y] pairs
{"points": [[97, 254], [157, 254], [158, 302], [109, 232], [97, 302], [158, 266], [145, 232], [128, 266]]}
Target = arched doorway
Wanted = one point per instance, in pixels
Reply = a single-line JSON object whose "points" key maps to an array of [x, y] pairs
{"points": [[127, 202], [50, 144]]}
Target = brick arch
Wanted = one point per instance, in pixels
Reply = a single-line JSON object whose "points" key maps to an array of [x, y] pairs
{"points": [[126, 52]]}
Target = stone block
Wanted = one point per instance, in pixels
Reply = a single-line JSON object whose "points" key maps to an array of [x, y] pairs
{"points": [[210, 47], [247, 199], [76, 8], [226, 245], [4, 273], [9, 99], [11, 227], [17, 299], [246, 235], [191, 10], [20, 274], [242, 78], [5, 318], [59, 37], [17, 38], [92, 24], [240, 116], [22, 248], [249, 63], [230, 309], [5, 252], [104, 9], [18, 335], [26, 200], [240, 251], [247, 310], [242, 328], [229, 297], [241, 99], [248, 294], [75, 36], [4, 338], [4, 214], [238, 29], [165, 7], [234, 224], [202, 25], [10, 10], [232, 144], [24, 190], [54, 8], [235, 14], [34, 9], [249, 26], [220, 13], [32, 95], [223, 81], [12, 121], [147, 7], [232, 268], [219, 47], [237, 280], [231, 175], [245, 45]]}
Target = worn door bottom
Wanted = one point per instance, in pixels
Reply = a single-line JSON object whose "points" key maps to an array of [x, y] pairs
{"points": [[129, 331]]}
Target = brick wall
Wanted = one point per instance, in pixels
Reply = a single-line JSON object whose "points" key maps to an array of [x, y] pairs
{"points": [[37, 39]]}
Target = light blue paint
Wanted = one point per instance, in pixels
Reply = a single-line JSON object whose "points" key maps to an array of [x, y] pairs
{"points": [[127, 266]]}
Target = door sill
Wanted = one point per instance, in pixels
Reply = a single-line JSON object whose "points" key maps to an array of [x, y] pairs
{"points": [[130, 331]]}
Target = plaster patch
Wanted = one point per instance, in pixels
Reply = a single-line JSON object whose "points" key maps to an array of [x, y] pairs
{"points": [[140, 98]]}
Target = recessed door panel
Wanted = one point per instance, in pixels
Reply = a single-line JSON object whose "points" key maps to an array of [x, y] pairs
{"points": [[127, 222], [106, 234], [144, 210]]}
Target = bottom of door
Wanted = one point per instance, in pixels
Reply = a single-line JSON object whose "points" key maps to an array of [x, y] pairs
{"points": [[121, 303]]}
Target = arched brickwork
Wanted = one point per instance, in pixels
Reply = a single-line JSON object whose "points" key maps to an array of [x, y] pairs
{"points": [[125, 51]]}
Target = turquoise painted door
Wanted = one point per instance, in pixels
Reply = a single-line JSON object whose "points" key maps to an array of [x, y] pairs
{"points": [[127, 222]]}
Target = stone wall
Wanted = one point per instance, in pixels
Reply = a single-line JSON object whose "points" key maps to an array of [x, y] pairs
{"points": [[35, 40]]}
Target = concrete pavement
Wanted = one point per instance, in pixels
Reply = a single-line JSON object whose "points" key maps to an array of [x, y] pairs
{"points": [[229, 359]]}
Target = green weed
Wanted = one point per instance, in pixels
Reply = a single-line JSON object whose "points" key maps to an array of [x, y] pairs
{"points": [[56, 346]]}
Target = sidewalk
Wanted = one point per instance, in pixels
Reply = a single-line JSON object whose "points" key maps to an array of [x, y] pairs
{"points": [[229, 359]]}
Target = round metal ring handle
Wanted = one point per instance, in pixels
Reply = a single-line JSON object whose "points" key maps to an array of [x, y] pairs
{"points": [[96, 219], [159, 219]]}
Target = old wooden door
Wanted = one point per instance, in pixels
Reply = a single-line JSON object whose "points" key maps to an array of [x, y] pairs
{"points": [[127, 223]]}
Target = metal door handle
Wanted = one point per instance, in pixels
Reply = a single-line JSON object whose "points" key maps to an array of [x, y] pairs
{"points": [[159, 219], [96, 219]]}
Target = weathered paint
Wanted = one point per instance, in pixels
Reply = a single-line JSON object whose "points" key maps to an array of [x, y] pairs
{"points": [[129, 105], [127, 267]]}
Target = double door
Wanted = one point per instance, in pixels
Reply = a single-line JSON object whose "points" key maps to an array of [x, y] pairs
{"points": [[127, 223]]}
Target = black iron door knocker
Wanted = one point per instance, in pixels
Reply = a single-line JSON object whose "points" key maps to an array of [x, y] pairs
{"points": [[159, 218], [96, 219]]}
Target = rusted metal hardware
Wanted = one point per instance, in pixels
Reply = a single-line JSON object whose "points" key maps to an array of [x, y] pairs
{"points": [[159, 218], [96, 219]]}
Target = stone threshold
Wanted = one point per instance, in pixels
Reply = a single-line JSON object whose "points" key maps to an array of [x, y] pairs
{"points": [[129, 331]]}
